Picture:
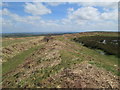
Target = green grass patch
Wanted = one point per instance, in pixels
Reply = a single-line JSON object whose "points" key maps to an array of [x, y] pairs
{"points": [[116, 34], [10, 42], [107, 62], [16, 60], [104, 61], [107, 67], [61, 38], [108, 59]]}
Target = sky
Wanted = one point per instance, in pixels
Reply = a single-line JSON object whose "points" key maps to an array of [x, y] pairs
{"points": [[59, 16]]}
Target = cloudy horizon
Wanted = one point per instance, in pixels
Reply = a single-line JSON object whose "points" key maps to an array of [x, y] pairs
{"points": [[59, 17]]}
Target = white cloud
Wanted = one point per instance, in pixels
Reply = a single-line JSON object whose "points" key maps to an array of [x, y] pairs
{"points": [[90, 18], [17, 18], [37, 9], [113, 15], [85, 13], [0, 13], [18, 23], [6, 22], [5, 12], [0, 4], [88, 14], [83, 18], [100, 4], [55, 3], [70, 10]]}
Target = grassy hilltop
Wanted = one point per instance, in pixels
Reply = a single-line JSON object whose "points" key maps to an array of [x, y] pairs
{"points": [[80, 60]]}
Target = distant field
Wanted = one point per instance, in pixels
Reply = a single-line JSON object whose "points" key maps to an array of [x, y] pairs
{"points": [[8, 41]]}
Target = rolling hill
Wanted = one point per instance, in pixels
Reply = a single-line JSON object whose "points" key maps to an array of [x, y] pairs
{"points": [[58, 61]]}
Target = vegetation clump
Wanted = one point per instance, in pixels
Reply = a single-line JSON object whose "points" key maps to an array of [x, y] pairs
{"points": [[110, 45]]}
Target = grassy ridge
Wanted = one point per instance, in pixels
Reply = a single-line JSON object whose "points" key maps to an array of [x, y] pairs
{"points": [[42, 74], [108, 62], [16, 60]]}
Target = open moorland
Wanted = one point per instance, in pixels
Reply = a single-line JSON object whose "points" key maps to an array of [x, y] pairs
{"points": [[79, 60]]}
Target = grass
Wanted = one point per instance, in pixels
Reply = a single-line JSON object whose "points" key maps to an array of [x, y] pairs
{"points": [[107, 62], [61, 38], [16, 60], [67, 61], [107, 67], [109, 34], [102, 61], [9, 42]]}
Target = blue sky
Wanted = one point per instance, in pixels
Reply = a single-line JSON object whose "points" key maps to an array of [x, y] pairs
{"points": [[59, 17]]}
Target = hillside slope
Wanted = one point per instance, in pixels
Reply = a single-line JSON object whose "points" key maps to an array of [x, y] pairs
{"points": [[57, 62]]}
